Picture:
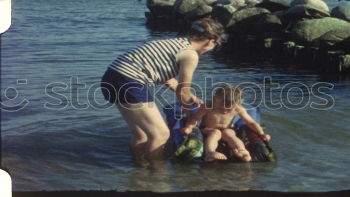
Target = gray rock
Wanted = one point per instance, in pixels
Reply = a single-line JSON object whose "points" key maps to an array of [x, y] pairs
{"points": [[341, 12], [200, 11], [210, 2], [310, 30], [185, 6], [246, 13], [269, 23], [251, 2], [235, 3], [317, 4], [192, 9], [151, 3], [334, 39], [244, 20], [298, 12], [160, 7], [238, 3], [223, 13], [224, 2], [274, 5]]}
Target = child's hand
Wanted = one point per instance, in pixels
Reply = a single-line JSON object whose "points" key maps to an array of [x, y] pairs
{"points": [[186, 130], [197, 101], [266, 137]]}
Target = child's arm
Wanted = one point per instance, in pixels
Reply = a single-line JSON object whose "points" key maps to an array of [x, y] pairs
{"points": [[192, 120], [172, 84], [251, 123]]}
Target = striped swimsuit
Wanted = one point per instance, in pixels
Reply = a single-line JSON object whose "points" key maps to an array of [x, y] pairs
{"points": [[151, 63]]}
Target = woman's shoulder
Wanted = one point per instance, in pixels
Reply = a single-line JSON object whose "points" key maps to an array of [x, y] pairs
{"points": [[190, 53]]}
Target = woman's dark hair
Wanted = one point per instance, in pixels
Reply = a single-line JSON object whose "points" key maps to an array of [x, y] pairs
{"points": [[207, 28]]}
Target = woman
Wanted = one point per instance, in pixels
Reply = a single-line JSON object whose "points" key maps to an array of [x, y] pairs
{"points": [[127, 79]]}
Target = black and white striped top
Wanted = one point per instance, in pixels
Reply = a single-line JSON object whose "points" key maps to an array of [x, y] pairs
{"points": [[153, 62]]}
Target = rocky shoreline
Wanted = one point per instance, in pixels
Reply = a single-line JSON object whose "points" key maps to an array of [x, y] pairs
{"points": [[302, 33]]}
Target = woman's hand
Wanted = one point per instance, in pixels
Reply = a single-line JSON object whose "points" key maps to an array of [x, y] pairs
{"points": [[188, 101], [197, 101]]}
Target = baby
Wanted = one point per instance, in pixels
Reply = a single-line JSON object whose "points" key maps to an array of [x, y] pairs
{"points": [[217, 116]]}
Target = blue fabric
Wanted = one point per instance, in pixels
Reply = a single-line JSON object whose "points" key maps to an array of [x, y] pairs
{"points": [[117, 88], [254, 112], [176, 121]]}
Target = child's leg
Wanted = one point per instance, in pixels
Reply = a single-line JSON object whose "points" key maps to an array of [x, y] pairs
{"points": [[150, 132], [212, 137], [236, 144]]}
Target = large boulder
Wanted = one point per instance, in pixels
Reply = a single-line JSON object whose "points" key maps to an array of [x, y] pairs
{"points": [[184, 6], [274, 5], [335, 39], [251, 2], [191, 8], [317, 4], [237, 3], [308, 30], [342, 12], [224, 2], [244, 20], [223, 13], [160, 7], [269, 23], [199, 12], [210, 2], [307, 11]]}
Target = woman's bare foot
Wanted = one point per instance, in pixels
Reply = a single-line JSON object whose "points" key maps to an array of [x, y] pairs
{"points": [[214, 156], [243, 154]]}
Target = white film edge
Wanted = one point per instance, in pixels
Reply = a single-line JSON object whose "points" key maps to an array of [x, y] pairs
{"points": [[5, 15], [5, 184]]}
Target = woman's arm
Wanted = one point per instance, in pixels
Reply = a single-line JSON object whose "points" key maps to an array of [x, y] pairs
{"points": [[192, 120], [188, 60], [251, 123]]}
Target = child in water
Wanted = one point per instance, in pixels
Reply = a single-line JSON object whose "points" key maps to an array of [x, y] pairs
{"points": [[217, 116]]}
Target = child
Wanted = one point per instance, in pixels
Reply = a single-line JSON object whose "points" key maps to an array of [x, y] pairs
{"points": [[217, 116]]}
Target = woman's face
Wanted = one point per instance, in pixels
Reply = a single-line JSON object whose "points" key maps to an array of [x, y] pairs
{"points": [[209, 45]]}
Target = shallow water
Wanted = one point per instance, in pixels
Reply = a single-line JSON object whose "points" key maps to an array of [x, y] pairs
{"points": [[74, 143]]}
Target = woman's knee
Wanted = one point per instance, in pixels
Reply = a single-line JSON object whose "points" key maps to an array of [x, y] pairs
{"points": [[139, 139], [160, 134]]}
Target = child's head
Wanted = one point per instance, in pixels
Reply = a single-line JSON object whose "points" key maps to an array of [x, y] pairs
{"points": [[207, 28], [228, 96]]}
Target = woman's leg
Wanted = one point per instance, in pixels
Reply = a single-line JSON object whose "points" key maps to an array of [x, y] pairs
{"points": [[149, 129], [138, 145]]}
